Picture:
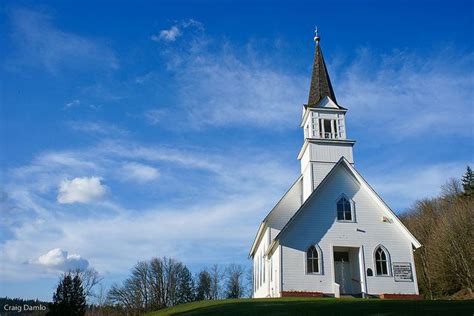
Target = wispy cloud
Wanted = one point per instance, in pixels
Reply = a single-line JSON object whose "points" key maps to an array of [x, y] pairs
{"points": [[221, 85], [154, 116], [167, 35], [72, 103], [402, 95], [409, 183], [175, 31], [140, 172], [41, 43], [100, 128]]}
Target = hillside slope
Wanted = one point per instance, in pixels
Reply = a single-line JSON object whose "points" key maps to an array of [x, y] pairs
{"points": [[315, 306]]}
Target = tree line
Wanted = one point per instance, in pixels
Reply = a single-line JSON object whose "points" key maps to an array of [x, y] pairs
{"points": [[164, 282], [152, 285], [445, 227]]}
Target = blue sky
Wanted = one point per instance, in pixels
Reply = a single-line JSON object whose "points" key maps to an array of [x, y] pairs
{"points": [[133, 130]]}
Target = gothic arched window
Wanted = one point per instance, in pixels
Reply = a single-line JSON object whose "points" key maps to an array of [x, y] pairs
{"points": [[344, 210], [312, 260], [381, 261]]}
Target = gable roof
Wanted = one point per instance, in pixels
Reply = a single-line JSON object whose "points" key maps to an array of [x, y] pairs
{"points": [[320, 86], [276, 209], [343, 162]]}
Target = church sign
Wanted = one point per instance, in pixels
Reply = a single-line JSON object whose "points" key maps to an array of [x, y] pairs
{"points": [[402, 272]]}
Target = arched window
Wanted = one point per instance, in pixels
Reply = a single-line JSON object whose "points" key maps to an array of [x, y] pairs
{"points": [[344, 210], [312, 260], [381, 261]]}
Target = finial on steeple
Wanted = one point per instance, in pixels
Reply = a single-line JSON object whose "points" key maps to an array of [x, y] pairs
{"points": [[316, 36]]}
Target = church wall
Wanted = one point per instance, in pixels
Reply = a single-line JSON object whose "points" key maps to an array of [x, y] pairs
{"points": [[320, 171], [305, 159], [330, 152], [275, 279], [307, 181], [316, 224], [261, 267]]}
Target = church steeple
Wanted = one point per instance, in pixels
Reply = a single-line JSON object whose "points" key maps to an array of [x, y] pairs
{"points": [[324, 126], [320, 83]]}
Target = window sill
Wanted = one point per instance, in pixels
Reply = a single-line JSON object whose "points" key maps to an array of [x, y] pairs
{"points": [[344, 221]]}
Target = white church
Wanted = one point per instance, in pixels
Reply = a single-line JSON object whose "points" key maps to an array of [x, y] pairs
{"points": [[331, 234]]}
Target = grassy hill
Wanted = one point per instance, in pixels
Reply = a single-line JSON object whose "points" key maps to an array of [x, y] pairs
{"points": [[320, 306]]}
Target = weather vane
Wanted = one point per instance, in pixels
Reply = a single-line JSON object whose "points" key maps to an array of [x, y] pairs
{"points": [[316, 36]]}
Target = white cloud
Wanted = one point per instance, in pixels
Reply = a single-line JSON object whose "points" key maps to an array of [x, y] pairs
{"points": [[60, 260], [175, 31], [81, 190], [169, 35], [41, 43], [139, 172]]}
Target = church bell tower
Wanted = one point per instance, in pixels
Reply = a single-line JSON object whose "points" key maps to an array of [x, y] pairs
{"points": [[324, 126]]}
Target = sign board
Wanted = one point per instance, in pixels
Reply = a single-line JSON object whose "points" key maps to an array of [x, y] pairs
{"points": [[402, 272]]}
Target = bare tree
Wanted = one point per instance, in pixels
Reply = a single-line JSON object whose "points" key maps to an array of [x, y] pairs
{"points": [[445, 227], [90, 278], [216, 279], [152, 285], [235, 287]]}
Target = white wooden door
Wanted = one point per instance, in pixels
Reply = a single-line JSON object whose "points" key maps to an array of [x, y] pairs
{"points": [[342, 269]]}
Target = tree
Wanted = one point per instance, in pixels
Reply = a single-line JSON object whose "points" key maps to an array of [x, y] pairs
{"points": [[203, 288], [89, 278], [468, 182], [445, 227], [216, 277], [185, 286], [69, 298], [234, 283], [153, 285]]}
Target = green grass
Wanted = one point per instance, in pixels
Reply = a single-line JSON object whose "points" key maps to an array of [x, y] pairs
{"points": [[320, 306]]}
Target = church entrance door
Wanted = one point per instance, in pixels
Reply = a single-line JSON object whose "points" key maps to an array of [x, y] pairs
{"points": [[342, 269]]}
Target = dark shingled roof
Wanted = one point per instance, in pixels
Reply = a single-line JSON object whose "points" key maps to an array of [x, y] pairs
{"points": [[320, 83]]}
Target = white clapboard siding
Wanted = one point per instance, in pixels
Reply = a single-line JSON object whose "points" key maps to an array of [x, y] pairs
{"points": [[316, 224], [330, 152]]}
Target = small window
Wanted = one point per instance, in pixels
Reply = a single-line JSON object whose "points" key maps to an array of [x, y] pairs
{"points": [[327, 128], [381, 261], [370, 272], [344, 211], [312, 260]]}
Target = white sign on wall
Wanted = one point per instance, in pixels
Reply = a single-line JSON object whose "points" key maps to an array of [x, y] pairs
{"points": [[402, 272]]}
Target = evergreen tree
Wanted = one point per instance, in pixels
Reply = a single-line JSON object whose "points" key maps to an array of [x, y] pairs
{"points": [[203, 290], [69, 298], [185, 290], [468, 182]]}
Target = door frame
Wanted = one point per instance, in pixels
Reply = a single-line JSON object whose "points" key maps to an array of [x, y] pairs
{"points": [[361, 261]]}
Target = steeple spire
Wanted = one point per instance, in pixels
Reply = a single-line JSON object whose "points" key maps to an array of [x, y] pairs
{"points": [[320, 83]]}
